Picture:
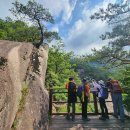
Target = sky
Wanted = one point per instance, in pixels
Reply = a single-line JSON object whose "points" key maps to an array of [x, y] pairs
{"points": [[72, 21]]}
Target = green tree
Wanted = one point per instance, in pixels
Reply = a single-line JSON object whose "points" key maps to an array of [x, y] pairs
{"points": [[59, 66], [18, 31], [89, 69], [113, 12], [126, 82], [127, 77], [59, 69], [118, 16], [37, 15]]}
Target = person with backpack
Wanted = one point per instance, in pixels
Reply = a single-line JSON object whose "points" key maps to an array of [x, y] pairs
{"points": [[102, 95], [72, 98], [95, 85], [116, 94], [85, 96]]}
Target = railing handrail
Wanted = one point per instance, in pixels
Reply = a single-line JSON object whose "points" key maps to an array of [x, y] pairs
{"points": [[124, 88], [92, 90], [51, 92]]}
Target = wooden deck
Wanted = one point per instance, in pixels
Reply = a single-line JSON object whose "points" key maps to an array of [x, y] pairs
{"points": [[60, 123]]}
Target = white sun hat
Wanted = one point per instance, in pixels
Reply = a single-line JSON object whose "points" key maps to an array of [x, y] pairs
{"points": [[101, 82]]}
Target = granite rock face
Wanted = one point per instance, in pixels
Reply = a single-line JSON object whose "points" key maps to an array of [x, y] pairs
{"points": [[23, 98]]}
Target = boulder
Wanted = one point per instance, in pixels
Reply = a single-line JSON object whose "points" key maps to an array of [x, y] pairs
{"points": [[24, 101]]}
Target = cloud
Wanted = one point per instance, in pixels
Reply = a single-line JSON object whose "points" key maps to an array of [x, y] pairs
{"points": [[68, 9], [72, 16], [88, 49], [55, 28], [58, 7], [85, 33], [61, 9]]}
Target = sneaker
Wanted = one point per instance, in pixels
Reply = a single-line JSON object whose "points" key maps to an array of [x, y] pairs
{"points": [[73, 119], [67, 117], [102, 118], [122, 121], [107, 117], [83, 118], [86, 119], [116, 116]]}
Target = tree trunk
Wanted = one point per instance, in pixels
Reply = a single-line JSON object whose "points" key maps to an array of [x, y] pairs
{"points": [[41, 31]]}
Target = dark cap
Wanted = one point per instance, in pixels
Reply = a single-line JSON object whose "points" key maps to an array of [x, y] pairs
{"points": [[84, 80], [109, 79], [70, 79]]}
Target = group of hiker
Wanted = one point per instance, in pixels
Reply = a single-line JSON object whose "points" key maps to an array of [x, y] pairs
{"points": [[101, 87]]}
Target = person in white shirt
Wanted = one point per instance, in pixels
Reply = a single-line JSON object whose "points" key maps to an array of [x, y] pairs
{"points": [[95, 84], [104, 110]]}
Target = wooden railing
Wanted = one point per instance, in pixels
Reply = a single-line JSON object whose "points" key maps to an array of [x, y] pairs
{"points": [[60, 91]]}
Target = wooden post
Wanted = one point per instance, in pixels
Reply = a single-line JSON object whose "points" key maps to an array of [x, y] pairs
{"points": [[50, 101], [95, 103]]}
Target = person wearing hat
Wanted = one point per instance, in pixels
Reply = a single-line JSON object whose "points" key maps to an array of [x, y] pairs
{"points": [[104, 110], [85, 99]]}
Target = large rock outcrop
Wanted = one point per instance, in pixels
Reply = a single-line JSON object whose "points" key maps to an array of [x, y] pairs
{"points": [[23, 97]]}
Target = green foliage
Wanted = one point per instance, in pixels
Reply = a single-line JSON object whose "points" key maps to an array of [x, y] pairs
{"points": [[118, 16], [126, 101], [123, 75], [22, 32], [33, 10], [87, 68], [63, 108], [59, 69], [127, 76], [18, 31], [14, 125], [111, 56], [112, 13], [36, 14], [126, 82], [117, 73], [24, 91]]}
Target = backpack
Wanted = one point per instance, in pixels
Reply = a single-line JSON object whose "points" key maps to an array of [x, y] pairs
{"points": [[116, 86], [71, 88], [72, 97], [79, 91], [104, 93]]}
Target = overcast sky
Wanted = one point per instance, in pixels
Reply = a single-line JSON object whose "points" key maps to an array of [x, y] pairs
{"points": [[72, 22]]}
